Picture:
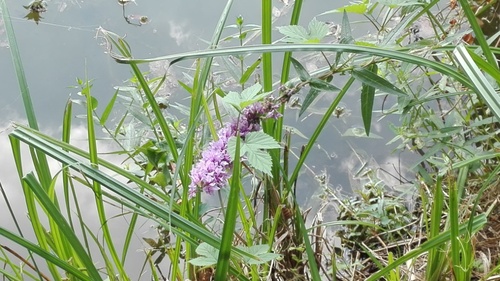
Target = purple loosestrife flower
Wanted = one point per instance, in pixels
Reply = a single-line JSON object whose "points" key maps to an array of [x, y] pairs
{"points": [[211, 172]]}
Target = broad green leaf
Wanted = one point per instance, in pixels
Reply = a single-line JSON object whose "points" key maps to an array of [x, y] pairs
{"points": [[294, 33], [372, 79], [317, 31], [322, 85], [207, 255], [259, 251], [367, 98], [253, 147], [298, 34], [301, 70], [308, 100], [260, 140], [247, 97]]}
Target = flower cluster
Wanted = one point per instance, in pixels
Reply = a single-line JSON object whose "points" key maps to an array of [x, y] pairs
{"points": [[211, 172]]}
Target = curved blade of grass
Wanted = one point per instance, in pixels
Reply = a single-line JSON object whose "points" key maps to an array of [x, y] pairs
{"points": [[397, 54], [479, 222], [479, 81], [478, 32], [48, 145], [51, 259], [63, 225], [96, 186], [18, 66]]}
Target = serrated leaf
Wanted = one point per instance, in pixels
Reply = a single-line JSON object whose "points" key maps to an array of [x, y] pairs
{"points": [[208, 255], [298, 34], [367, 98], [245, 98], [261, 140], [259, 251], [301, 70], [371, 78], [260, 160], [294, 33], [317, 31], [253, 148], [308, 100], [322, 85]]}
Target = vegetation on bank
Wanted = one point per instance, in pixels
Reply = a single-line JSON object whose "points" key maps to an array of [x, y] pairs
{"points": [[231, 143]]}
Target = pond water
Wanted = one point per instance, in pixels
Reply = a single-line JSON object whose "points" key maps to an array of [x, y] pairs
{"points": [[62, 47]]}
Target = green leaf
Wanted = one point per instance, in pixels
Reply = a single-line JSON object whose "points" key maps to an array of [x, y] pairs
{"points": [[481, 84], [367, 98], [259, 251], [247, 97], [298, 34], [301, 70], [250, 70], [345, 35], [322, 85], [371, 78], [308, 100], [207, 255], [294, 33], [253, 148], [317, 31], [357, 8], [108, 109]]}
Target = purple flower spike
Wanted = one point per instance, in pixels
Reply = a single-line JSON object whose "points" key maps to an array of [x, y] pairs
{"points": [[212, 171]]}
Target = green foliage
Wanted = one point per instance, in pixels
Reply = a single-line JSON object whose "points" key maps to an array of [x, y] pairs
{"points": [[446, 100], [208, 255], [297, 34]]}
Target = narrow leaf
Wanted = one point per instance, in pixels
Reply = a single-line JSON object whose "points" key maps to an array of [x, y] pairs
{"points": [[250, 70], [367, 98], [368, 77], [301, 70], [310, 97], [322, 85]]}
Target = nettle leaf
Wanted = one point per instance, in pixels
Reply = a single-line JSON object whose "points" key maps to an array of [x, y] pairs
{"points": [[249, 96], [253, 148], [259, 251], [298, 34], [294, 33], [301, 70], [208, 255], [317, 31]]}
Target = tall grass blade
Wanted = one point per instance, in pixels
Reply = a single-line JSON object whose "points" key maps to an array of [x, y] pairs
{"points": [[230, 218], [478, 80]]}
